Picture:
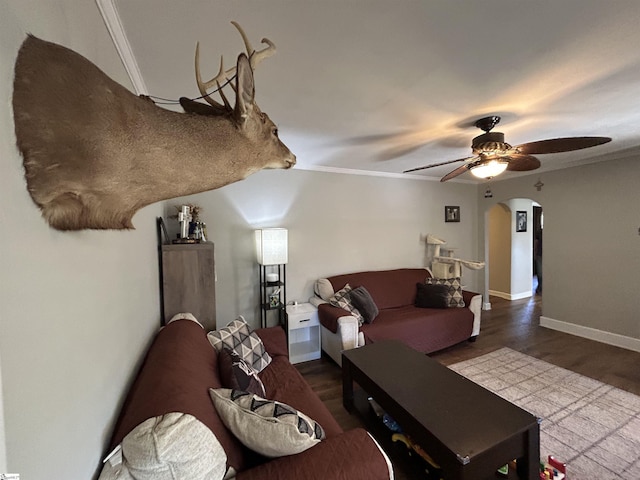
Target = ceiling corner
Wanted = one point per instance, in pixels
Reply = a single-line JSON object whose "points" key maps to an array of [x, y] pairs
{"points": [[111, 18]]}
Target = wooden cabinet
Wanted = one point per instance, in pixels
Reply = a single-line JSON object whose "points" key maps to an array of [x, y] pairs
{"points": [[188, 282]]}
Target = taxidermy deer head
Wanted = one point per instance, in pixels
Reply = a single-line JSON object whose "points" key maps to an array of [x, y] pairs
{"points": [[94, 153]]}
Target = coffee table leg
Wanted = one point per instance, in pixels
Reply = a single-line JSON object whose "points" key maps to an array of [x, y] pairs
{"points": [[528, 467], [347, 385]]}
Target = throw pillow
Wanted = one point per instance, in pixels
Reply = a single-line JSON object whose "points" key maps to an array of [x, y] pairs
{"points": [[432, 296], [175, 445], [455, 289], [238, 337], [342, 299], [237, 374], [362, 300], [271, 428], [323, 289]]}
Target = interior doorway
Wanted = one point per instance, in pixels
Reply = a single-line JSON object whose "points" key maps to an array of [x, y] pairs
{"points": [[513, 259], [538, 229]]}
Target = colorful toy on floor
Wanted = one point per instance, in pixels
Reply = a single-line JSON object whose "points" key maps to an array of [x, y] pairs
{"points": [[553, 469]]}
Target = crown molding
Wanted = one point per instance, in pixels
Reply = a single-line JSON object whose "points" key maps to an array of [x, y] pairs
{"points": [[112, 20], [373, 173]]}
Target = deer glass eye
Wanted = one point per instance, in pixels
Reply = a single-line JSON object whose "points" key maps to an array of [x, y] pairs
{"points": [[274, 131]]}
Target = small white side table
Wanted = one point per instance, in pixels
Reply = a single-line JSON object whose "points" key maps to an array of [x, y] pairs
{"points": [[303, 332]]}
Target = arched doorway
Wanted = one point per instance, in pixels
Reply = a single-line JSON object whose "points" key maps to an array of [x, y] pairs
{"points": [[511, 228]]}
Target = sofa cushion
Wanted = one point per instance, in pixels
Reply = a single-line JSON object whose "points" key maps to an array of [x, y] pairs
{"points": [[323, 289], [423, 329], [274, 340], [238, 336], [361, 299], [388, 288], [432, 296], [284, 383], [237, 374], [342, 299], [175, 376], [268, 427], [455, 289], [167, 447], [354, 455]]}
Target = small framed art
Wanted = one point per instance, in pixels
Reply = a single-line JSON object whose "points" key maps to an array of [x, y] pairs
{"points": [[521, 221], [451, 214]]}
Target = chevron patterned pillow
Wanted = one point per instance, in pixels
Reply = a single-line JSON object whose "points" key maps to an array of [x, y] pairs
{"points": [[342, 299], [455, 289], [238, 337], [271, 428]]}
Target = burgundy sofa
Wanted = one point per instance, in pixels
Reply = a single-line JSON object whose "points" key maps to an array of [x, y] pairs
{"points": [[181, 366], [394, 293]]}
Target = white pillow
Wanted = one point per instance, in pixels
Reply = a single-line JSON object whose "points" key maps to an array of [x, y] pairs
{"points": [[175, 445], [271, 428], [323, 289], [185, 316], [237, 336]]}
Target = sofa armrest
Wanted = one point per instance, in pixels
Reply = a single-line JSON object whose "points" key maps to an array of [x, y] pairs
{"points": [[274, 339], [316, 301], [329, 315], [473, 301], [354, 455]]}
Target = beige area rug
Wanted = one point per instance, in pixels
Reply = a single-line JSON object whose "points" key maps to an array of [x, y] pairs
{"points": [[591, 426]]}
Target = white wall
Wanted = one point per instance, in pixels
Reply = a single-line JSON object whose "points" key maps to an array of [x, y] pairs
{"points": [[337, 224], [510, 252], [521, 250], [3, 446], [591, 259], [77, 310], [499, 262]]}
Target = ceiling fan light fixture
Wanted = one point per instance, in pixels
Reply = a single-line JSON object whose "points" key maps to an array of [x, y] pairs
{"points": [[489, 169]]}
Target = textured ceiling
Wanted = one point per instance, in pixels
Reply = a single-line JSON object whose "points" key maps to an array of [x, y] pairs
{"points": [[385, 86]]}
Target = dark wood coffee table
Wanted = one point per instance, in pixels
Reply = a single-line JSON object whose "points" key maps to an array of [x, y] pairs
{"points": [[467, 429]]}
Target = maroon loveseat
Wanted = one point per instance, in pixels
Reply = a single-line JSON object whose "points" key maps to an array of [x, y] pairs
{"points": [[181, 366], [394, 293]]}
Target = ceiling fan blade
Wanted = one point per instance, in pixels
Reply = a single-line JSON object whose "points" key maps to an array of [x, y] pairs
{"points": [[556, 145], [398, 151], [522, 163], [458, 171], [438, 164]]}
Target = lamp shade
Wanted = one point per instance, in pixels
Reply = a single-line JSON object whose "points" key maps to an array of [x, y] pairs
{"points": [[271, 246]]}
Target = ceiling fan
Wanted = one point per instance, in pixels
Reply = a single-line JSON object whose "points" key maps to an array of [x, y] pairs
{"points": [[492, 155]]}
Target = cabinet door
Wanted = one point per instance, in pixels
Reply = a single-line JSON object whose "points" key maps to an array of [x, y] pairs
{"points": [[188, 282]]}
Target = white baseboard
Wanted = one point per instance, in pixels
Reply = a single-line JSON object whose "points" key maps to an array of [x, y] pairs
{"points": [[509, 296], [609, 338]]}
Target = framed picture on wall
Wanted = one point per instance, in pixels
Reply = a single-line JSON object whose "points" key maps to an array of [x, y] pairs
{"points": [[521, 221], [451, 214]]}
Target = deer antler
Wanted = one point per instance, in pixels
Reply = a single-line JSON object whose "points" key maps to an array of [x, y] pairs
{"points": [[255, 57]]}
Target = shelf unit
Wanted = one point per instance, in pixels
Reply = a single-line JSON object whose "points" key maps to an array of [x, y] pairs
{"points": [[188, 282], [303, 328], [273, 295]]}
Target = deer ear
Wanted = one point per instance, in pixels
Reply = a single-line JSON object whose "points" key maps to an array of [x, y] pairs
{"points": [[198, 108], [245, 89]]}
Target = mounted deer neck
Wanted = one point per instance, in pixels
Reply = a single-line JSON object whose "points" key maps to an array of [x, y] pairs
{"points": [[94, 153]]}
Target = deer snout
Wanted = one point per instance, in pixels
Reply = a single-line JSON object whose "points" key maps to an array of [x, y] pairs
{"points": [[291, 161]]}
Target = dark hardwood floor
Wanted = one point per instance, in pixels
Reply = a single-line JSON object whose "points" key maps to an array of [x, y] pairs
{"points": [[512, 324]]}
